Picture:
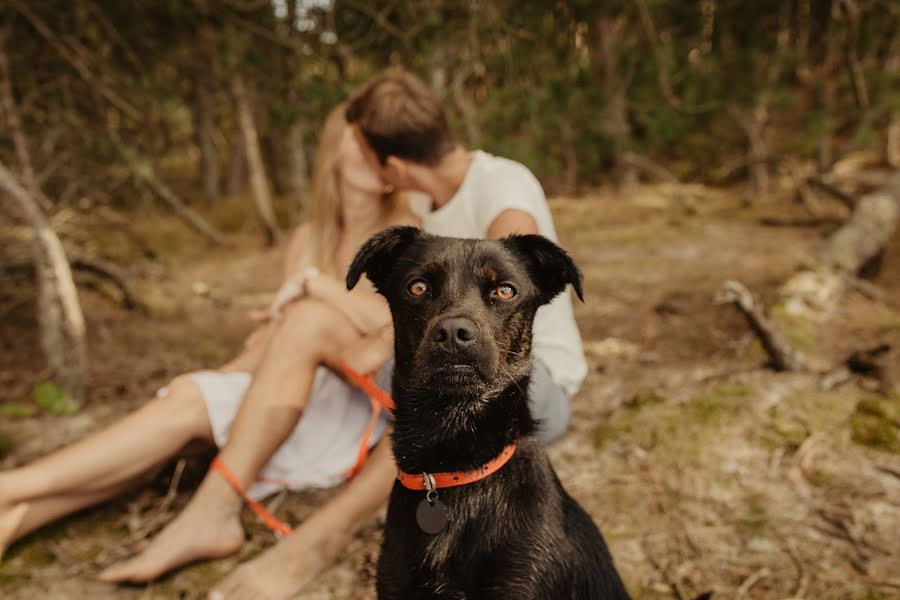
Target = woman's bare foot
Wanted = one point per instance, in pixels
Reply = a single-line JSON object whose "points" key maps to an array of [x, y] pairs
{"points": [[10, 519], [286, 568], [208, 527]]}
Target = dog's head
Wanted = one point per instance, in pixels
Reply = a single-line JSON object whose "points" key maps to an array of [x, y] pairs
{"points": [[463, 309]]}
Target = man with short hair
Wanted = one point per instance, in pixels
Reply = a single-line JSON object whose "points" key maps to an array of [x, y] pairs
{"points": [[402, 127]]}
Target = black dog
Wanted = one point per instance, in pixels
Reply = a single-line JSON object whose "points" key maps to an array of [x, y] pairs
{"points": [[463, 312]]}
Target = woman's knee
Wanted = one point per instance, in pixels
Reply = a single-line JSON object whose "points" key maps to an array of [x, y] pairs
{"points": [[312, 326], [182, 399]]}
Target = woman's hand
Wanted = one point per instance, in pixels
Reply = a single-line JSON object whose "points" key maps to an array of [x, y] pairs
{"points": [[291, 290]]}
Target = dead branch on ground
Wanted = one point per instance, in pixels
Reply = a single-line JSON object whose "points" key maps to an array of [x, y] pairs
{"points": [[782, 355]]}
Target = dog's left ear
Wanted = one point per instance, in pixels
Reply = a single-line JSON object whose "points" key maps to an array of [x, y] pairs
{"points": [[376, 258], [550, 266]]}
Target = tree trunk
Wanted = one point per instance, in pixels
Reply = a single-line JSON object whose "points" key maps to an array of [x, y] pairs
{"points": [[237, 163], [569, 156], [753, 123], [614, 116], [204, 131], [60, 316], [298, 171], [259, 183], [892, 141], [9, 107]]}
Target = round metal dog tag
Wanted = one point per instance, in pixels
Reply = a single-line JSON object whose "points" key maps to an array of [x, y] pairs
{"points": [[431, 516]]}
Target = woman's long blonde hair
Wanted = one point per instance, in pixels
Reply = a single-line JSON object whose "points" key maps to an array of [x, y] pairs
{"points": [[324, 206]]}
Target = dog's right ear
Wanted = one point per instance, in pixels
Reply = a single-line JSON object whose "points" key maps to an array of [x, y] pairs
{"points": [[550, 267], [377, 256]]}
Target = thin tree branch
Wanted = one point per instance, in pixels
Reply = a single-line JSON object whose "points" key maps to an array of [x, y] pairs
{"points": [[69, 54]]}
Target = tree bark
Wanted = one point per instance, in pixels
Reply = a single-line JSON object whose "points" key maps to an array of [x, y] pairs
{"points": [[782, 356], [753, 123], [10, 108], [259, 183], [298, 170], [464, 105], [814, 292], [892, 141], [614, 118], [866, 232], [60, 316], [237, 164], [204, 131]]}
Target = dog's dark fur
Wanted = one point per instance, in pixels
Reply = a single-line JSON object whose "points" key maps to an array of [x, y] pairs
{"points": [[460, 396]]}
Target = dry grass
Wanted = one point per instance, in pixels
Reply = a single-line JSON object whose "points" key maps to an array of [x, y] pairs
{"points": [[705, 470]]}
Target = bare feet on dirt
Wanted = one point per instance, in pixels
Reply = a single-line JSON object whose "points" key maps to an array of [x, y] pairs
{"points": [[205, 529], [286, 568], [10, 518]]}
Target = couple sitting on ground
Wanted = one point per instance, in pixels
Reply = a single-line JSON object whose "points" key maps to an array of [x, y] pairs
{"points": [[280, 412]]}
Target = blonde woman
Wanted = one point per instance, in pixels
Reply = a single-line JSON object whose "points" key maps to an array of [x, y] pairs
{"points": [[280, 417]]}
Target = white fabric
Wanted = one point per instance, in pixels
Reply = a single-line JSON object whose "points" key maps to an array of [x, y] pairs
{"points": [[491, 186], [321, 448]]}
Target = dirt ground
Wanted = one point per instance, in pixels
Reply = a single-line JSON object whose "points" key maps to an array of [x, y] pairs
{"points": [[705, 470]]}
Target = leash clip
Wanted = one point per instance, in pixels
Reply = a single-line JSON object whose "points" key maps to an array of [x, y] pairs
{"points": [[431, 486]]}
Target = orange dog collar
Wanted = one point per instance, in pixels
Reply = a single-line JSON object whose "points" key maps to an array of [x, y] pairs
{"points": [[435, 481]]}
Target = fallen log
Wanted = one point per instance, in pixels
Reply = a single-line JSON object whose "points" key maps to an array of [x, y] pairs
{"points": [[815, 290]]}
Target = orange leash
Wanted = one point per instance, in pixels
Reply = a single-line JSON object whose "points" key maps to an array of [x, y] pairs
{"points": [[279, 528], [379, 399]]}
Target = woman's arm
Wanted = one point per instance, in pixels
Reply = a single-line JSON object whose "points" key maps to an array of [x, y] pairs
{"points": [[366, 310]]}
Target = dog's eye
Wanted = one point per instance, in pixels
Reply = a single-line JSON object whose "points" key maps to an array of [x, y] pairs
{"points": [[418, 288], [505, 292]]}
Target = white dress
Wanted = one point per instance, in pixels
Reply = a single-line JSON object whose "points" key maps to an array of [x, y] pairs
{"points": [[323, 446]]}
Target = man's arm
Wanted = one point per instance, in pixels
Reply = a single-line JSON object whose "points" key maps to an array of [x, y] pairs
{"points": [[510, 222]]}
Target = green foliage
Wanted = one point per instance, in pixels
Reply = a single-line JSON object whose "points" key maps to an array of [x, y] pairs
{"points": [[546, 84], [54, 399], [876, 423], [16, 409], [639, 401]]}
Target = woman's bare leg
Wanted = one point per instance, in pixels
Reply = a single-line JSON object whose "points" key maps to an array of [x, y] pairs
{"points": [[108, 460], [26, 516], [282, 571], [310, 333]]}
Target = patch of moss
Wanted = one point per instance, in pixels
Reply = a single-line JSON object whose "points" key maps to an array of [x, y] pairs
{"points": [[8, 580], [755, 518], [32, 552], [16, 409], [640, 400], [875, 423], [790, 433], [605, 433], [207, 350], [753, 354], [202, 574], [799, 332], [721, 399], [6, 444]]}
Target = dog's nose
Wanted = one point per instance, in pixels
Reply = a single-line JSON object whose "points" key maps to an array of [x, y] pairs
{"points": [[455, 333]]}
